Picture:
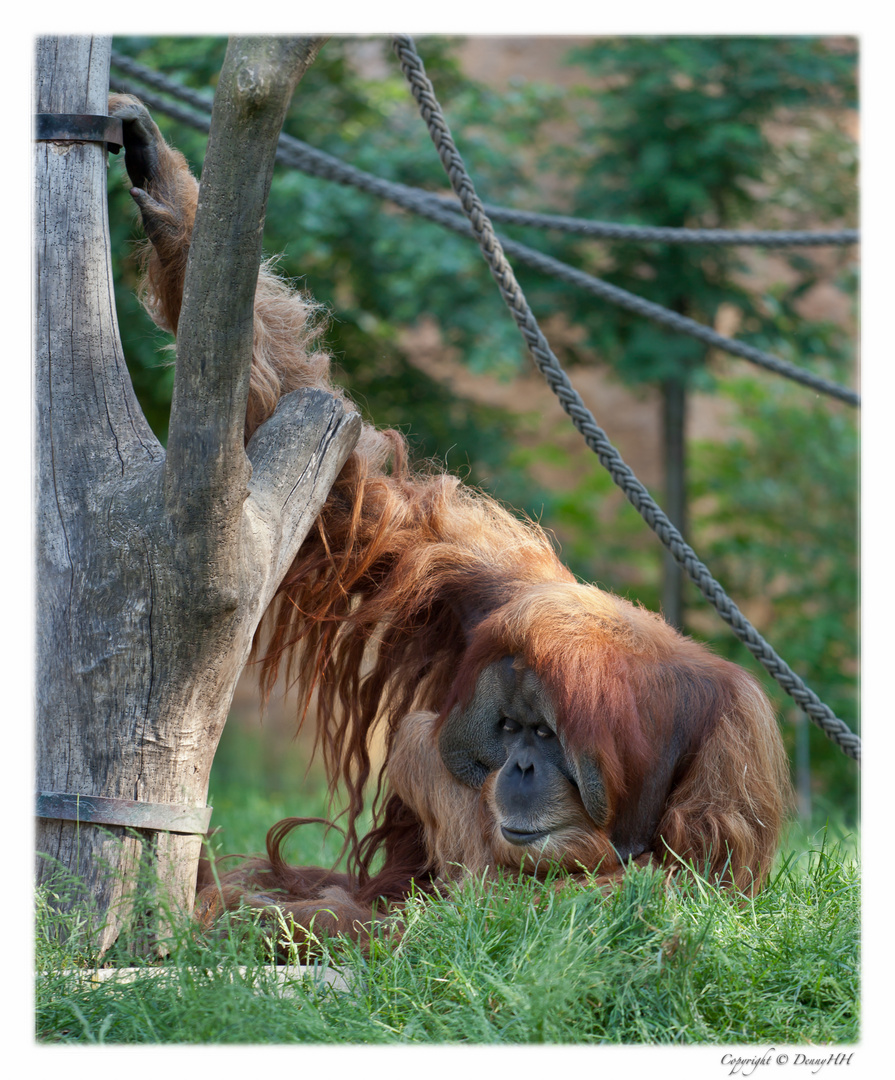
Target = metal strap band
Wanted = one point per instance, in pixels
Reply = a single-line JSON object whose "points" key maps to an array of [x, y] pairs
{"points": [[79, 127], [98, 810]]}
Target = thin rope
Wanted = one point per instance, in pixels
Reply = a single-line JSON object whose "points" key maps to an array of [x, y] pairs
{"points": [[293, 152], [676, 322], [603, 230], [651, 234], [834, 728]]}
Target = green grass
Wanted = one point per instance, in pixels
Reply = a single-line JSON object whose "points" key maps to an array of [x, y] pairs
{"points": [[497, 962], [501, 963]]}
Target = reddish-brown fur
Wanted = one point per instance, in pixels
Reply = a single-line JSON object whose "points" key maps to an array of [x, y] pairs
{"points": [[410, 584]]}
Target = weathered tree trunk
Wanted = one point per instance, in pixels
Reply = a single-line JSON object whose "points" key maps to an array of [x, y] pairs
{"points": [[153, 568]]}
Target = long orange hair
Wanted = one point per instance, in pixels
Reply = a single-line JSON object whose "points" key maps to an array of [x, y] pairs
{"points": [[410, 584]]}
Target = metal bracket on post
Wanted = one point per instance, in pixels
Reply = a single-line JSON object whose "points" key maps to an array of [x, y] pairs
{"points": [[79, 127], [100, 810]]}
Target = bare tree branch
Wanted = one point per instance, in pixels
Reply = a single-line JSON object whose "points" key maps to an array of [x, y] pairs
{"points": [[207, 471]]}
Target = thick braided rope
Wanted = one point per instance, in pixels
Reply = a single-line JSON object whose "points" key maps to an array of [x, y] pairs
{"points": [[299, 155], [604, 230], [834, 728]]}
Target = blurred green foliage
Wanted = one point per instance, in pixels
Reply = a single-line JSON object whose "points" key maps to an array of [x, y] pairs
{"points": [[682, 137], [700, 132]]}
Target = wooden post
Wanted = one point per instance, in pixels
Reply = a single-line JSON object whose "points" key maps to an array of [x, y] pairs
{"points": [[674, 446], [153, 569]]}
